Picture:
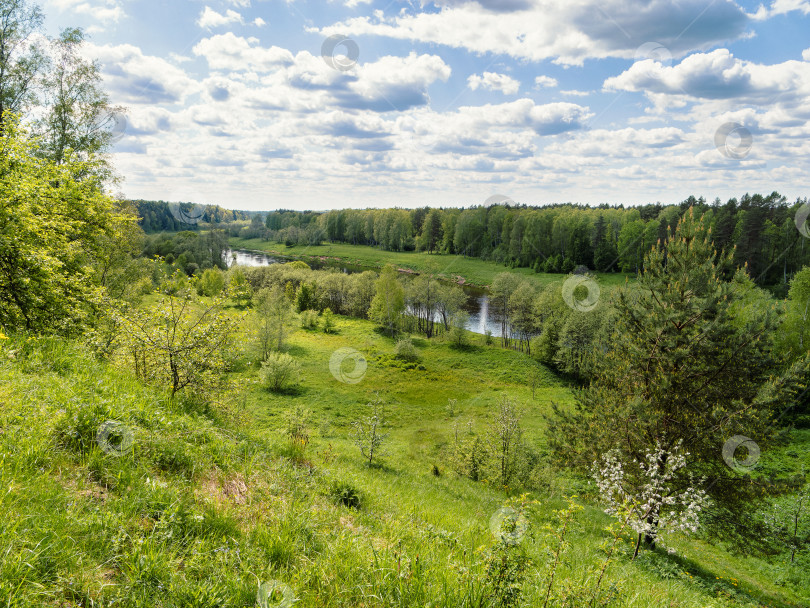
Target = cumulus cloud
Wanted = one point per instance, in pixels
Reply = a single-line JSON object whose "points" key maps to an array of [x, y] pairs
{"points": [[102, 10], [717, 75], [806, 54], [209, 18], [781, 7], [229, 52], [134, 77], [493, 81], [545, 82], [566, 32]]}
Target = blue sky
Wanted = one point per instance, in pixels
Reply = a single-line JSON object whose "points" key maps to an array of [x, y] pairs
{"points": [[450, 102]]}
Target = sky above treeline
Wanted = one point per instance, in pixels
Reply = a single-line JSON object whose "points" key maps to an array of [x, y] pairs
{"points": [[265, 104]]}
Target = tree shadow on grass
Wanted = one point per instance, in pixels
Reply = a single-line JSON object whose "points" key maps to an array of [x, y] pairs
{"points": [[672, 566]]}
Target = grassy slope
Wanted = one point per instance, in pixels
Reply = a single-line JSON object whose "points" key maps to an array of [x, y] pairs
{"points": [[474, 271], [200, 510]]}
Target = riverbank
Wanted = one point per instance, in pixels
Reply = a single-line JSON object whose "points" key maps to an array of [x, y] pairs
{"points": [[456, 268]]}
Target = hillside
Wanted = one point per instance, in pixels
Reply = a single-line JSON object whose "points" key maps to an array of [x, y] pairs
{"points": [[210, 499]]}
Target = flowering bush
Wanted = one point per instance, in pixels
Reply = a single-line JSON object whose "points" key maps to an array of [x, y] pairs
{"points": [[655, 500]]}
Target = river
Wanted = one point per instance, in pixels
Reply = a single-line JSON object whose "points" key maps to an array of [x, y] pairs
{"points": [[477, 305]]}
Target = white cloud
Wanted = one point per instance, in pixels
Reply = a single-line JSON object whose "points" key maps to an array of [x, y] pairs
{"points": [[545, 82], [493, 81], [259, 22], [133, 77], [575, 93], [102, 10], [718, 75], [566, 32], [781, 7], [229, 52], [209, 18], [806, 54]]}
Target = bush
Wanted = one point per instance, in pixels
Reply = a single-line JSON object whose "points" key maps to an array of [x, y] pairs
{"points": [[328, 321], [211, 283], [346, 494], [405, 350], [309, 319], [279, 372]]}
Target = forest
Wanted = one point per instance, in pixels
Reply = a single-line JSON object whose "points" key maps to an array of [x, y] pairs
{"points": [[761, 231]]}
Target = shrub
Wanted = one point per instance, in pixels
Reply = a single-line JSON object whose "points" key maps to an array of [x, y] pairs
{"points": [[346, 494], [328, 321], [211, 283], [279, 372], [309, 319], [458, 331], [405, 350]]}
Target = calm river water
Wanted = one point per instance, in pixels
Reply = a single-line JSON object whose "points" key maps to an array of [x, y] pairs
{"points": [[477, 305]]}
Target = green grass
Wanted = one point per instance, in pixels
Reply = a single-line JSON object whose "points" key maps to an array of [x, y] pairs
{"points": [[452, 267], [205, 504]]}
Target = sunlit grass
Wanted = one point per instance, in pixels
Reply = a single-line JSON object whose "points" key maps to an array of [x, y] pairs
{"points": [[200, 511]]}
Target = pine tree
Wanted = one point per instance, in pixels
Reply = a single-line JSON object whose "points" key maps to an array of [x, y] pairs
{"points": [[688, 367]]}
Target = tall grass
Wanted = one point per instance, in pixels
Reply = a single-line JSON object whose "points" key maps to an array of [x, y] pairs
{"points": [[198, 511]]}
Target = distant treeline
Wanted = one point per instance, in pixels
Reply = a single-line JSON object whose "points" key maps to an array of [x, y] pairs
{"points": [[161, 216], [558, 238]]}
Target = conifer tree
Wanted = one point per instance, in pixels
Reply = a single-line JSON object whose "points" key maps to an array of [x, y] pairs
{"points": [[687, 368]]}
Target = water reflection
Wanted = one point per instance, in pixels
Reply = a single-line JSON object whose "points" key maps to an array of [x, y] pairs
{"points": [[477, 305]]}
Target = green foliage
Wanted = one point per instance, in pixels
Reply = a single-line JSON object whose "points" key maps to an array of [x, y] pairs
{"points": [[212, 282], [388, 304], [238, 287], [346, 494], [405, 350], [328, 321], [280, 372], [368, 435], [458, 330], [55, 221], [309, 319], [274, 319], [712, 376], [178, 343]]}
